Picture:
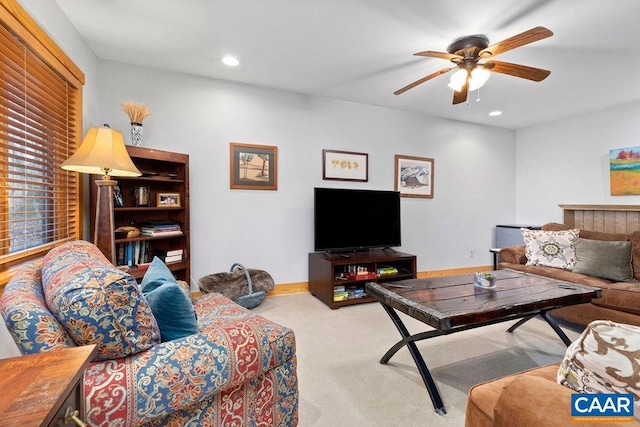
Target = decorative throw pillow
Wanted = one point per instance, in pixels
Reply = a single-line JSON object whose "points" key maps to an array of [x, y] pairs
{"points": [[604, 359], [157, 273], [550, 248], [169, 302], [96, 302], [609, 260]]}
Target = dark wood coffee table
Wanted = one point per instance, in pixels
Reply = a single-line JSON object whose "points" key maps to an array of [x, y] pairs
{"points": [[453, 304]]}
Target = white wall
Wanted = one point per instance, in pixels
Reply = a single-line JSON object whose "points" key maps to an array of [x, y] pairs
{"points": [[474, 170], [567, 162]]}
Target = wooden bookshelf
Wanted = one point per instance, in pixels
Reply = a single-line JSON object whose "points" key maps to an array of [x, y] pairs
{"points": [[163, 172]]}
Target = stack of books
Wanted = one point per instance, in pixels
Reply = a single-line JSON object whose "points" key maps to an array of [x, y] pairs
{"points": [[339, 293], [160, 228], [171, 255]]}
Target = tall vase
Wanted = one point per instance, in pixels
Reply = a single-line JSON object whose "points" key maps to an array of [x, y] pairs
{"points": [[136, 134]]}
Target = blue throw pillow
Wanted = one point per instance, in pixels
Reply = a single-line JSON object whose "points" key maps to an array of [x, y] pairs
{"points": [[169, 302], [157, 274]]}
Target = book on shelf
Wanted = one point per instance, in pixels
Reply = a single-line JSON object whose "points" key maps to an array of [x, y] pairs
{"points": [[166, 232], [129, 260], [160, 228], [174, 252], [136, 253], [169, 255], [132, 254], [174, 258]]}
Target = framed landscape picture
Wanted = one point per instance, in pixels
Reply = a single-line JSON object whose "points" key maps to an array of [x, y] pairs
{"points": [[414, 176], [624, 171], [345, 166], [253, 167]]}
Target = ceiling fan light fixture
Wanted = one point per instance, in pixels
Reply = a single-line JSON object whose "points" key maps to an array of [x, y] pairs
{"points": [[477, 79], [457, 79]]}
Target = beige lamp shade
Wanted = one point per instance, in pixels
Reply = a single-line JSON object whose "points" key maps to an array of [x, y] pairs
{"points": [[102, 152]]}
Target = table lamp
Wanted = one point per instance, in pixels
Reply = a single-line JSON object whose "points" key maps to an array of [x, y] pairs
{"points": [[103, 152]]}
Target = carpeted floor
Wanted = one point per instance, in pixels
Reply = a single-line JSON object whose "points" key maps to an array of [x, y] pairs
{"points": [[342, 383]]}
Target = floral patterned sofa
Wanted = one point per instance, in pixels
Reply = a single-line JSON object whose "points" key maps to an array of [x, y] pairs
{"points": [[238, 369]]}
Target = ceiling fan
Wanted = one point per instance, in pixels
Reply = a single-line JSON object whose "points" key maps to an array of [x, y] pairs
{"points": [[466, 52]]}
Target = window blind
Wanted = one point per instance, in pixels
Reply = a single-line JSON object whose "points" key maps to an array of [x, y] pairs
{"points": [[39, 120]]}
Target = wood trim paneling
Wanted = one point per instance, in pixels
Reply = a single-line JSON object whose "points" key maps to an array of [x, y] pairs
{"points": [[607, 218], [601, 207], [289, 288]]}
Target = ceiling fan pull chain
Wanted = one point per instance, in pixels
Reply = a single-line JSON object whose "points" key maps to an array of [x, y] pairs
{"points": [[478, 100]]}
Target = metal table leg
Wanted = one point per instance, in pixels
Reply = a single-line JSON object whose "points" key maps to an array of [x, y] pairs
{"points": [[520, 322], [565, 339], [409, 341]]}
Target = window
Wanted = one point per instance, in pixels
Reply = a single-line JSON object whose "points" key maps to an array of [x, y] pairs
{"points": [[40, 121]]}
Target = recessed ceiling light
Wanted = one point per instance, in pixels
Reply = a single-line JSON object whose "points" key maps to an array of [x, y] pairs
{"points": [[495, 113], [230, 61]]}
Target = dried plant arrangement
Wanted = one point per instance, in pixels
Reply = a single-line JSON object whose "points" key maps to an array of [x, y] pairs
{"points": [[136, 112]]}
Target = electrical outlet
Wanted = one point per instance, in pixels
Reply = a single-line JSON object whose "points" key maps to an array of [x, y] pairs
{"points": [[471, 253]]}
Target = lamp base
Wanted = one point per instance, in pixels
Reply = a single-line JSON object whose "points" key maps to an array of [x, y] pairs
{"points": [[103, 233]]}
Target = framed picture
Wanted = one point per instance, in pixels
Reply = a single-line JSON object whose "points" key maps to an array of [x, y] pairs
{"points": [[118, 200], [624, 164], [345, 166], [253, 167], [168, 200], [414, 176]]}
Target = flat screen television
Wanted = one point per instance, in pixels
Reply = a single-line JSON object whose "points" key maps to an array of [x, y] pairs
{"points": [[348, 220]]}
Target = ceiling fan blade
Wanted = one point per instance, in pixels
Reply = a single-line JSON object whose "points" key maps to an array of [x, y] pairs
{"points": [[422, 80], [461, 96], [442, 55], [516, 70], [529, 36]]}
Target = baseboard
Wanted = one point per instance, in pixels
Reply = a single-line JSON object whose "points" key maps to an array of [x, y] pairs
{"points": [[289, 288], [300, 287], [453, 271]]}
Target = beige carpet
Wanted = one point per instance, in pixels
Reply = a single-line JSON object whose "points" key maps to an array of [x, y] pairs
{"points": [[342, 383]]}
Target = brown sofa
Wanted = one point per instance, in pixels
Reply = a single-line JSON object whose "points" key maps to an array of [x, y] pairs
{"points": [[620, 301], [534, 398]]}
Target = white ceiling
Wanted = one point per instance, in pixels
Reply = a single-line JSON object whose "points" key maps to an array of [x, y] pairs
{"points": [[362, 50]]}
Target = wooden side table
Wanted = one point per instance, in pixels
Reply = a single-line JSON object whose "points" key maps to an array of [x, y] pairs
{"points": [[43, 389]]}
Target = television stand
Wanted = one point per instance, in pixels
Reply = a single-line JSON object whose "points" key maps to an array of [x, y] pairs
{"points": [[330, 271], [328, 254], [345, 254]]}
